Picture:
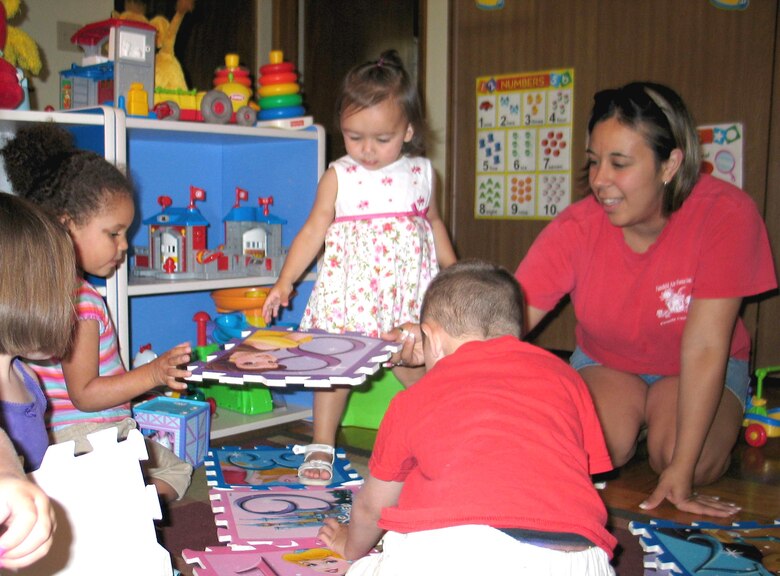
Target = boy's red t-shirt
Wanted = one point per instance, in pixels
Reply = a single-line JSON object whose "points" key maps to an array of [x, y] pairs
{"points": [[500, 433]]}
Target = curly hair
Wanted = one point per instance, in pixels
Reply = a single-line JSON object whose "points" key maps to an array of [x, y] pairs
{"points": [[373, 82], [45, 167]]}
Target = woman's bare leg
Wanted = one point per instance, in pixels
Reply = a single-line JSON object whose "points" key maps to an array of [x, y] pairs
{"points": [[662, 431], [620, 400]]}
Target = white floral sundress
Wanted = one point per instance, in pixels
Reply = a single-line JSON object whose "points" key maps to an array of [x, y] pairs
{"points": [[379, 253]]}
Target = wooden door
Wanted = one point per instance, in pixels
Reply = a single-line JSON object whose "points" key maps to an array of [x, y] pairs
{"points": [[339, 35]]}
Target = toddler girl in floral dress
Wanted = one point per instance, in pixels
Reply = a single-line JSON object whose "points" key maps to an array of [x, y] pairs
{"points": [[375, 214]]}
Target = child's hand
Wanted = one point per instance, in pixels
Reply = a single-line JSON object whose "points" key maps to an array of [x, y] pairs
{"points": [[28, 519], [278, 296], [165, 368], [334, 535]]}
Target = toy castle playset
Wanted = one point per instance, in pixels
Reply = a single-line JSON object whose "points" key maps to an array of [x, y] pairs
{"points": [[177, 248]]}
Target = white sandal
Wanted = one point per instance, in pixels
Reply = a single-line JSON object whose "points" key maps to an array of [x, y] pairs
{"points": [[315, 464]]}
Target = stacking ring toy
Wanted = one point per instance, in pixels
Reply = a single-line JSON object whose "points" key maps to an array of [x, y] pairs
{"points": [[280, 78], [279, 113], [277, 68], [281, 101], [278, 90]]}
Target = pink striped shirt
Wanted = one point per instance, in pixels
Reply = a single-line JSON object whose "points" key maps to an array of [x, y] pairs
{"points": [[62, 412]]}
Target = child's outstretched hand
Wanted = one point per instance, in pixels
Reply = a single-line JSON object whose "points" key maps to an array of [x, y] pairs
{"points": [[334, 535], [278, 296], [28, 519], [166, 368]]}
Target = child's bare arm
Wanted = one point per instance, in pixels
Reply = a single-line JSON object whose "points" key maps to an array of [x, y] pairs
{"points": [[307, 244], [91, 392], [26, 515], [356, 539]]}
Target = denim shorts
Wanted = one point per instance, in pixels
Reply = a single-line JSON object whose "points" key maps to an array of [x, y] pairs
{"points": [[737, 374]]}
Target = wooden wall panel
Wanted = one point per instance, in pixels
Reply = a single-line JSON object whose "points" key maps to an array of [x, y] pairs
{"points": [[720, 61], [339, 35], [767, 341]]}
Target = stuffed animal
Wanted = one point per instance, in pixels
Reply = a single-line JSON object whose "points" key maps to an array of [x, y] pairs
{"points": [[21, 50], [167, 70], [135, 10], [11, 93], [168, 73]]}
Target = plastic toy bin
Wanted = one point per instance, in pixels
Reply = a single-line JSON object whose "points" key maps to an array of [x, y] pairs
{"points": [[179, 424], [242, 399]]}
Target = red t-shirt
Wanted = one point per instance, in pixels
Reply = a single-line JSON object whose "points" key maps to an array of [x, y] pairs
{"points": [[631, 308], [500, 433]]}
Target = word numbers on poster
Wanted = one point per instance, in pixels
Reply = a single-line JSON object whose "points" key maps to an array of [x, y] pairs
{"points": [[524, 130]]}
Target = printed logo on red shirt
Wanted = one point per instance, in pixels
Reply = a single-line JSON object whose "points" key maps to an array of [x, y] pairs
{"points": [[675, 298]]}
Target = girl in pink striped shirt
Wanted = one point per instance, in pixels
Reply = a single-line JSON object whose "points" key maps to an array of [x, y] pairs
{"points": [[89, 388]]}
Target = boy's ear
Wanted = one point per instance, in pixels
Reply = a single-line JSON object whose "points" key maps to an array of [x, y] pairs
{"points": [[433, 338]]}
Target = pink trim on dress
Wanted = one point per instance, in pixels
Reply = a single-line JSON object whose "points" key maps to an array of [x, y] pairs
{"points": [[375, 216]]}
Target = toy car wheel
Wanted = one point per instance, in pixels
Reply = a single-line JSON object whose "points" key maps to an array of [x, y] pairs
{"points": [[216, 107], [755, 435], [168, 110], [246, 116]]}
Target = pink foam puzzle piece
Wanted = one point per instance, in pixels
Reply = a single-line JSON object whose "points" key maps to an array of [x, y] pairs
{"points": [[299, 557], [246, 516]]}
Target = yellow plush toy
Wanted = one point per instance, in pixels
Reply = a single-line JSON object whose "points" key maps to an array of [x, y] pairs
{"points": [[168, 73], [20, 51], [167, 70], [135, 11]]}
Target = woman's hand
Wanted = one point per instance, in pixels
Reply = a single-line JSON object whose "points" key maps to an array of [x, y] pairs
{"points": [[334, 535], [677, 488], [410, 337]]}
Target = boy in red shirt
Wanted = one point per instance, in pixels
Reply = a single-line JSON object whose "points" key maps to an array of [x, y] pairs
{"points": [[483, 466]]}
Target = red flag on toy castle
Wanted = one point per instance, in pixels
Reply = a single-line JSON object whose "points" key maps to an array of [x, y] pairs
{"points": [[241, 195], [196, 194]]}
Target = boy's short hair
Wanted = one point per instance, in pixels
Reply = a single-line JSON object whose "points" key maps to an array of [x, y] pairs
{"points": [[475, 298], [38, 280]]}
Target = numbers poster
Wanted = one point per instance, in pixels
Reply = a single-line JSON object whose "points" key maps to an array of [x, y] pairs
{"points": [[524, 131]]}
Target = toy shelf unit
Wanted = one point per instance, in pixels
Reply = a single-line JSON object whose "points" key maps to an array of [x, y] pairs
{"points": [[207, 195], [92, 128]]}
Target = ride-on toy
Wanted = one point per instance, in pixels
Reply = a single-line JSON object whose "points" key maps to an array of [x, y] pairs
{"points": [[760, 422]]}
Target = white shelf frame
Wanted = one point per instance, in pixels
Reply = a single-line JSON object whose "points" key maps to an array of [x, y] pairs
{"points": [[118, 289], [228, 423]]}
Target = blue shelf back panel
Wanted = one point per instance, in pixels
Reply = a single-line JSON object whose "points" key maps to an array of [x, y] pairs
{"points": [[167, 164], [89, 137], [284, 169]]}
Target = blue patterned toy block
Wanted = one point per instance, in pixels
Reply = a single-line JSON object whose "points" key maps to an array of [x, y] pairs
{"points": [[181, 425]]}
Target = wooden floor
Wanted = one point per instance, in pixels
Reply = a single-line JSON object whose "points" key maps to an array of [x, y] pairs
{"points": [[752, 482]]}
